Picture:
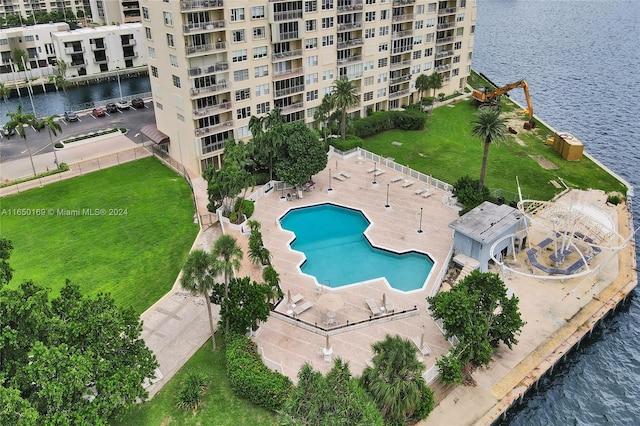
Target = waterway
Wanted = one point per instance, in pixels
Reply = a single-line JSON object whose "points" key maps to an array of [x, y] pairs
{"points": [[580, 58], [75, 97]]}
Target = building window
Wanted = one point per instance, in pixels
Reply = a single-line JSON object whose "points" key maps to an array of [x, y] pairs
{"points": [[384, 14], [419, 9], [173, 59], [418, 25], [327, 4], [310, 25], [459, 32], [180, 117], [243, 113], [327, 22], [454, 72], [237, 35], [176, 80], [429, 38], [384, 31], [368, 81], [263, 108], [147, 32], [311, 78], [369, 33], [428, 52], [152, 52], [28, 38], [145, 13], [415, 69], [382, 62], [241, 75], [473, 29], [383, 47], [259, 33], [311, 112], [168, 20], [456, 59], [239, 55], [368, 65], [382, 93], [312, 61], [311, 6], [170, 40], [382, 77], [370, 16], [460, 17], [368, 96], [431, 7], [259, 52], [261, 71], [370, 2], [327, 75], [154, 71], [159, 106], [237, 14], [262, 89], [327, 40], [312, 95], [243, 132], [427, 66], [311, 43], [327, 91], [257, 12], [417, 54], [243, 94], [431, 22], [457, 45], [417, 40]]}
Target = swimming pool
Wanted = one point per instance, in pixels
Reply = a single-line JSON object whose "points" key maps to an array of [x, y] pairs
{"points": [[338, 253]]}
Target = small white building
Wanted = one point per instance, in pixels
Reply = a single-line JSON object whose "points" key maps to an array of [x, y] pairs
{"points": [[90, 51], [34, 40]]}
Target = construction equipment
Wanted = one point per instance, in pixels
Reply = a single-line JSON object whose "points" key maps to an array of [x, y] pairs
{"points": [[487, 97]]}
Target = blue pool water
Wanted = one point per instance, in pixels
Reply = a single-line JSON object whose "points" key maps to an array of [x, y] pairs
{"points": [[332, 239]]}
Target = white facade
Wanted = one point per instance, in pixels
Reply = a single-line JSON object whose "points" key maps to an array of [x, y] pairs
{"points": [[26, 8], [215, 63], [90, 51], [34, 40]]}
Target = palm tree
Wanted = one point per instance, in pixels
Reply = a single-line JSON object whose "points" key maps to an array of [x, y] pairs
{"points": [[395, 381], [322, 113], [422, 84], [435, 82], [53, 127], [489, 126], [227, 256], [344, 96], [267, 135], [17, 120], [197, 278], [272, 279]]}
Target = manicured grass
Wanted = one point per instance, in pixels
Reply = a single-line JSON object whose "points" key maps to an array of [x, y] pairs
{"points": [[447, 151], [220, 406], [135, 255]]}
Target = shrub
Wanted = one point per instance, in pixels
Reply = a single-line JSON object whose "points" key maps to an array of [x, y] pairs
{"points": [[261, 177], [425, 406], [466, 191], [450, 369], [614, 199], [59, 145], [247, 207], [250, 378], [191, 391], [349, 143], [63, 167], [380, 121]]}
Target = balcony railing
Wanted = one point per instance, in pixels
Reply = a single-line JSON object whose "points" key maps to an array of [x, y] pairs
{"points": [[78, 63], [127, 43], [405, 17], [444, 40], [211, 69], [402, 34], [291, 35], [210, 89], [402, 49], [286, 55], [443, 68], [293, 107], [350, 26], [401, 79], [289, 91], [200, 4], [72, 50], [349, 43], [353, 7], [216, 128], [205, 48], [287, 15], [100, 60], [97, 48], [199, 112], [204, 26], [399, 2], [130, 54], [348, 59], [401, 64], [446, 25], [447, 11], [398, 94], [280, 74], [444, 54]]}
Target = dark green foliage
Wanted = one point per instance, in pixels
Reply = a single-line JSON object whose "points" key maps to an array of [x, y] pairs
{"points": [[466, 191], [14, 410], [335, 399], [246, 303], [349, 143], [450, 369], [385, 120], [6, 272], [614, 199], [478, 312], [304, 154], [250, 378], [192, 390], [245, 206]]}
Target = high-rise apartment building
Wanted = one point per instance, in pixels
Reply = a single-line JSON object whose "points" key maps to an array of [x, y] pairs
{"points": [[26, 8], [215, 63], [115, 11]]}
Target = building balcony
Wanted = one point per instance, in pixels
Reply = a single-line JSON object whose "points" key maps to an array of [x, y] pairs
{"points": [[291, 35], [444, 40], [211, 69], [292, 108], [399, 94], [95, 48], [405, 17], [288, 15], [80, 63], [216, 128], [401, 79], [204, 26], [443, 68], [446, 25], [445, 54], [402, 49], [353, 7], [288, 91], [350, 43], [402, 34], [350, 26], [188, 5], [355, 58], [204, 49], [282, 74], [200, 112], [128, 55], [72, 50], [128, 43], [402, 64], [207, 90], [101, 60], [400, 2], [447, 11], [286, 55]]}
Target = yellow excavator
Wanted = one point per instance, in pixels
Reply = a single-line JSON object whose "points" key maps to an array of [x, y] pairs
{"points": [[487, 97]]}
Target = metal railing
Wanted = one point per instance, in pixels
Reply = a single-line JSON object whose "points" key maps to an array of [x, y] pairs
{"points": [[354, 58], [445, 25], [405, 17], [288, 72], [287, 15], [204, 26], [444, 54], [211, 69], [286, 55], [206, 110], [401, 34], [210, 89], [200, 4], [204, 48], [446, 11], [401, 79], [216, 128], [349, 43], [444, 40], [349, 26], [399, 94], [289, 91], [402, 64]]}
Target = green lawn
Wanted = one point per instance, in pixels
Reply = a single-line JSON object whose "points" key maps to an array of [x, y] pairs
{"points": [[220, 406], [135, 256], [447, 151]]}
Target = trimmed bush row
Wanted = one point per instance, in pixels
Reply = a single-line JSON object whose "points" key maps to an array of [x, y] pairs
{"points": [[90, 135], [251, 379], [385, 120]]}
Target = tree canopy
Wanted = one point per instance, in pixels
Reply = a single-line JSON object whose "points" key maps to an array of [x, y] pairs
{"points": [[304, 154], [490, 127], [478, 312], [6, 272], [72, 360], [246, 303]]}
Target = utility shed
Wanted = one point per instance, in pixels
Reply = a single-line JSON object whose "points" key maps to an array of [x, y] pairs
{"points": [[476, 231]]}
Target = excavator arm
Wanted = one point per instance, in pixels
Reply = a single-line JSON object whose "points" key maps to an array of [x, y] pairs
{"points": [[486, 97]]}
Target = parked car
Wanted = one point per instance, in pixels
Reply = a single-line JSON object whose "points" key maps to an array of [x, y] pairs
{"points": [[123, 104], [137, 103], [111, 107], [70, 116], [8, 130], [99, 112]]}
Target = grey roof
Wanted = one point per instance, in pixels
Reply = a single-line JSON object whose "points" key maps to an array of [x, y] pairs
{"points": [[487, 222]]}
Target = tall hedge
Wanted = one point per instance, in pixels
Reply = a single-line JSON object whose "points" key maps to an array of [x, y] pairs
{"points": [[387, 120], [250, 378]]}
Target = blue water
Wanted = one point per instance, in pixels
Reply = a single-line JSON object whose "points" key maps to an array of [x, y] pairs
{"points": [[338, 254], [581, 60]]}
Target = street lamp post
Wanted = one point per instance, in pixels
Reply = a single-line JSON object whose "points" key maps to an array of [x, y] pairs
{"points": [[118, 76], [330, 189], [420, 230], [375, 172], [387, 205]]}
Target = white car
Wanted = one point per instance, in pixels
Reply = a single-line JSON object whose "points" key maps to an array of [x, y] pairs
{"points": [[123, 104]]}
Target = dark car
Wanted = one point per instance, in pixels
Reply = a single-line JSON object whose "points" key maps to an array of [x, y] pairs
{"points": [[111, 107], [70, 116], [137, 103], [99, 112]]}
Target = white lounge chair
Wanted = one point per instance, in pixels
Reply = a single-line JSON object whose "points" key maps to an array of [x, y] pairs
{"points": [[300, 309], [338, 177], [345, 174], [407, 183], [396, 178], [379, 172], [419, 191], [388, 306], [425, 349], [296, 298], [373, 306], [371, 170], [427, 193]]}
